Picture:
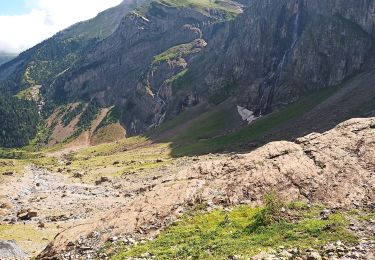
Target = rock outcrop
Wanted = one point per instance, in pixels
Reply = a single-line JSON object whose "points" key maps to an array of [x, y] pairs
{"points": [[335, 168], [277, 51], [9, 250]]}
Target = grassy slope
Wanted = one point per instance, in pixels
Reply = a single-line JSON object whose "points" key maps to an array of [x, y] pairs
{"points": [[200, 130], [182, 49], [211, 131], [131, 155], [221, 234], [103, 24], [203, 5], [23, 234]]}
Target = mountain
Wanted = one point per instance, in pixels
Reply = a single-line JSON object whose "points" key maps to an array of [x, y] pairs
{"points": [[193, 129], [29, 74], [41, 64], [278, 51], [151, 46], [144, 64]]}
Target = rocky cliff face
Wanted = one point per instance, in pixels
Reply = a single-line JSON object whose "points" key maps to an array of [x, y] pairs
{"points": [[278, 50], [128, 69]]}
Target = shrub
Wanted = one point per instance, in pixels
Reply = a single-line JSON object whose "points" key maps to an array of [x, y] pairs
{"points": [[271, 213]]}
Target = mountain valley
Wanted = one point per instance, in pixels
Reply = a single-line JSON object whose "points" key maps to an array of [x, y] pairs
{"points": [[195, 129]]}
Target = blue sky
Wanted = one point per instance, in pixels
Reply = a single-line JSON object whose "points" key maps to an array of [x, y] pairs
{"points": [[25, 23], [13, 7]]}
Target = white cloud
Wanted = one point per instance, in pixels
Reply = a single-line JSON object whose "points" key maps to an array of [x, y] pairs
{"points": [[46, 17]]}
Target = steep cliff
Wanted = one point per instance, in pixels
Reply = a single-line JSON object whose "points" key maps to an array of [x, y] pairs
{"points": [[278, 51], [150, 46]]}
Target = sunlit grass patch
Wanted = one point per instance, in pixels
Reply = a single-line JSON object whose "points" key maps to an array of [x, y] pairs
{"points": [[221, 234]]}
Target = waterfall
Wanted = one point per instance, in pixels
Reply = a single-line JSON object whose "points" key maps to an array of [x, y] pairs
{"points": [[163, 105], [273, 77], [296, 24]]}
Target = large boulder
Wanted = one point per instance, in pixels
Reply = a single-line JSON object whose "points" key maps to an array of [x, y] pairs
{"points": [[10, 250]]}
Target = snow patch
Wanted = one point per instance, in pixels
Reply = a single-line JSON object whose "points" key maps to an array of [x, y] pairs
{"points": [[246, 114]]}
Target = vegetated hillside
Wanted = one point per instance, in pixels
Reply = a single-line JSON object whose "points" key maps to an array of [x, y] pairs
{"points": [[150, 47], [41, 64], [209, 129], [38, 67], [18, 121]]}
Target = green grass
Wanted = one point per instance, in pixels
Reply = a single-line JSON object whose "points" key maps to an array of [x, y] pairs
{"points": [[182, 50], [175, 81], [221, 234], [190, 142], [179, 120], [210, 124], [15, 166], [131, 155], [17, 153], [203, 5], [29, 237]]}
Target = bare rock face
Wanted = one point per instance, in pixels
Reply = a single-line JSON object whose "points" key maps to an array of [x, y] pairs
{"points": [[335, 168], [121, 69], [278, 50], [9, 250]]}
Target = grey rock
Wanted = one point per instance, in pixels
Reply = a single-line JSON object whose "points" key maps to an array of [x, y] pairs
{"points": [[286, 254], [9, 250], [329, 248], [146, 255], [314, 256]]}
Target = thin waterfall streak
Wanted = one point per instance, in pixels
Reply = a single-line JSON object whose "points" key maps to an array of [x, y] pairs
{"points": [[163, 105], [274, 76]]}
